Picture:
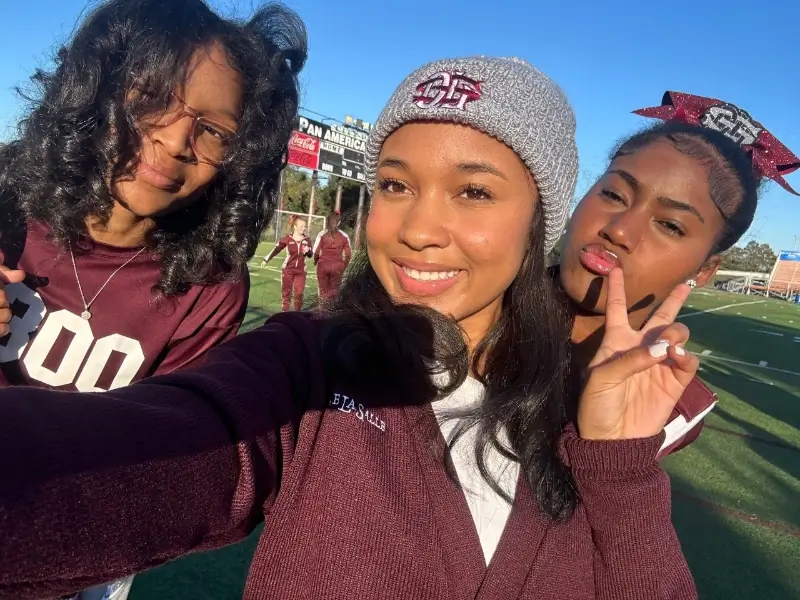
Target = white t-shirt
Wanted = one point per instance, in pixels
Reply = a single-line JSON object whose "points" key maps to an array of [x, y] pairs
{"points": [[489, 510]]}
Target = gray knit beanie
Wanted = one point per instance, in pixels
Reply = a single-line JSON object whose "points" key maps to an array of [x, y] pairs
{"points": [[506, 98]]}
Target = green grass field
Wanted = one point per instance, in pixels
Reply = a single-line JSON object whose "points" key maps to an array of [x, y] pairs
{"points": [[736, 490]]}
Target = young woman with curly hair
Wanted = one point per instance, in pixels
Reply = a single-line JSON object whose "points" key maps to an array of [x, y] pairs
{"points": [[137, 189]]}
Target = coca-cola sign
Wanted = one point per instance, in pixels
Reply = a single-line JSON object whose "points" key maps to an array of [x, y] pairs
{"points": [[303, 151]]}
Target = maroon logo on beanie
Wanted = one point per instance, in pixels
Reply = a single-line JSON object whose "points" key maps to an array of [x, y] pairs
{"points": [[447, 90], [732, 122]]}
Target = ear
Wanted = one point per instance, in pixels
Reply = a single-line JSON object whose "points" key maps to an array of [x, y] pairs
{"points": [[708, 270]]}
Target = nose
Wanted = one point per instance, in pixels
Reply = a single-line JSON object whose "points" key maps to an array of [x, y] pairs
{"points": [[423, 222], [176, 138], [624, 230]]}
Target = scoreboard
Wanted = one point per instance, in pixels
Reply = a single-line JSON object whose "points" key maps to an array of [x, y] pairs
{"points": [[340, 150]]}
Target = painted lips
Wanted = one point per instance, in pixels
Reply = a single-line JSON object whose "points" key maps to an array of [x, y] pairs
{"points": [[596, 259]]}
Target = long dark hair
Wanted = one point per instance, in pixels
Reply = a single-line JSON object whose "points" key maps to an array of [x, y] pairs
{"points": [[81, 128], [522, 362]]}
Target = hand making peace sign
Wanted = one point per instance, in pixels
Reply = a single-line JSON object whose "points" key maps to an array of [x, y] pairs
{"points": [[636, 377]]}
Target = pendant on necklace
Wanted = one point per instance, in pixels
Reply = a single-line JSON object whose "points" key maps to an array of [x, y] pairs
{"points": [[86, 315]]}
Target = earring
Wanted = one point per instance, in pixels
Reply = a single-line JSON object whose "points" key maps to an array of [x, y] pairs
{"points": [[691, 282]]}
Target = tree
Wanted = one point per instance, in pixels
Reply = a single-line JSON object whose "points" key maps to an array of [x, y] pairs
{"points": [[326, 196], [296, 190], [753, 258], [297, 194]]}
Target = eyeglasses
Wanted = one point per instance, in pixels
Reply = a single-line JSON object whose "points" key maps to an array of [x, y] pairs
{"points": [[209, 140]]}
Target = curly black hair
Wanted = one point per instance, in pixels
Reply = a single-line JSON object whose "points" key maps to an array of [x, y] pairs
{"points": [[81, 131]]}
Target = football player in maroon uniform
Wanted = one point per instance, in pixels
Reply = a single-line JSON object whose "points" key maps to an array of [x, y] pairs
{"points": [[137, 190]]}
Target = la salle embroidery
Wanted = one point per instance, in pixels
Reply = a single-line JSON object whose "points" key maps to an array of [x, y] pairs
{"points": [[346, 404]]}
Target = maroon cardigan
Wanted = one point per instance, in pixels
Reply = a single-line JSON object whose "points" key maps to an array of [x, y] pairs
{"points": [[356, 502]]}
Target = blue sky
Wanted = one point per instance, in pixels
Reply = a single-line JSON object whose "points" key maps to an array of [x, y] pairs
{"points": [[610, 57]]}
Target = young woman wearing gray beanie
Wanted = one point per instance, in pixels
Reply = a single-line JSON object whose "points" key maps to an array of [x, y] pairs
{"points": [[410, 442]]}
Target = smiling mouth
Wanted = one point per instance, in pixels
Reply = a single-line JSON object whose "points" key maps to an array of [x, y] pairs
{"points": [[427, 281], [430, 275]]}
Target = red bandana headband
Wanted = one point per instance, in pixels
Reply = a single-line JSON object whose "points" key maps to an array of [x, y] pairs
{"points": [[770, 158]]}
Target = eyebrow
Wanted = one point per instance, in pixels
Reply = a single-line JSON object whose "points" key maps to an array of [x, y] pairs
{"points": [[394, 162], [219, 116], [232, 116], [481, 167], [471, 167], [664, 201]]}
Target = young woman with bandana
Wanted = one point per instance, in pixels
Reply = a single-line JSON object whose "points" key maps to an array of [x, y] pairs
{"points": [[410, 442], [674, 197], [135, 194]]}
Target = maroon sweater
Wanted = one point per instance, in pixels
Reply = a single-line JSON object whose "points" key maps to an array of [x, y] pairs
{"points": [[356, 501]]}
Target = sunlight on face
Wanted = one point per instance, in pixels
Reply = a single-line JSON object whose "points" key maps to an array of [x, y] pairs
{"points": [[449, 221], [169, 175], [652, 214]]}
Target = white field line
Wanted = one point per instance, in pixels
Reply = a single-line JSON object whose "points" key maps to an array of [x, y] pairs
{"points": [[710, 310], [267, 268], [747, 364]]}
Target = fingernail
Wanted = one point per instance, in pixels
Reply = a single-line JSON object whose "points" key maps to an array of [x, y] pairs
{"points": [[680, 351], [659, 349]]}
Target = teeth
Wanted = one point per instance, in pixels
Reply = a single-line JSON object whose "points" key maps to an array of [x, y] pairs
{"points": [[429, 275]]}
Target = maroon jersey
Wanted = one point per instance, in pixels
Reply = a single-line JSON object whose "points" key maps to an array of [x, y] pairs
{"points": [[296, 252], [332, 248], [131, 333]]}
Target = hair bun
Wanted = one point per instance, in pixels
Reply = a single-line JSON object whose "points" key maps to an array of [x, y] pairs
{"points": [[283, 28]]}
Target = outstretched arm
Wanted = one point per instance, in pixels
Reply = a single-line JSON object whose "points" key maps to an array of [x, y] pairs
{"points": [[278, 247], [98, 486]]}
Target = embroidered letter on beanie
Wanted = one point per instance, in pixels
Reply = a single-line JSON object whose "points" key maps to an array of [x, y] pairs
{"points": [[447, 90]]}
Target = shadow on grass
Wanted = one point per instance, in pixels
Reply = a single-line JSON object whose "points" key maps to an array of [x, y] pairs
{"points": [[734, 560], [217, 575]]}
